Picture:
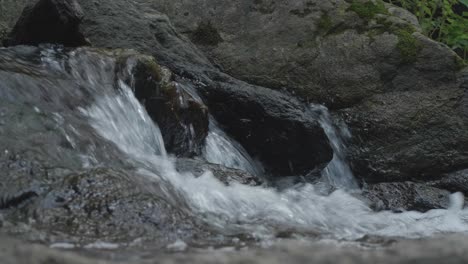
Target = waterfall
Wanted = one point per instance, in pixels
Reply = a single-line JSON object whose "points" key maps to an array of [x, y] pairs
{"points": [[221, 149], [125, 121], [337, 173]]}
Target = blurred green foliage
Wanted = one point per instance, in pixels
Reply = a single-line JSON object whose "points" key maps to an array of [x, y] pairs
{"points": [[443, 20]]}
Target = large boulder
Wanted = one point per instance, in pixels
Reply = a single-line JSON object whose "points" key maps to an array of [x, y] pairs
{"points": [[48, 21], [274, 127], [367, 61]]}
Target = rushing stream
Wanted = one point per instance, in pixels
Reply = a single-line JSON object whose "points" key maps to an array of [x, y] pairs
{"points": [[262, 211], [117, 116]]}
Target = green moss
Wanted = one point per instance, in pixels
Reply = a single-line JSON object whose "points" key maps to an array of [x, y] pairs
{"points": [[384, 25], [368, 10], [460, 63], [153, 68], [408, 45], [325, 23], [206, 34]]}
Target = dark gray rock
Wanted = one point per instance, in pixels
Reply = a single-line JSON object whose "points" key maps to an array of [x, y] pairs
{"points": [[402, 196], [49, 21], [454, 182], [276, 128], [99, 204]]}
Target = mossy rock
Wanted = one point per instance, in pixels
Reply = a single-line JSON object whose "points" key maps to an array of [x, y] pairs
{"points": [[408, 46], [369, 9], [325, 24], [460, 63], [206, 34]]}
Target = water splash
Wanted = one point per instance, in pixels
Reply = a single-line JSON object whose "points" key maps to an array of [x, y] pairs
{"points": [[123, 119], [221, 149]]}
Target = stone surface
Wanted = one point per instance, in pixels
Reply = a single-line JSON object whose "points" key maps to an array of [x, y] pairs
{"points": [[455, 182], [406, 196], [276, 128]]}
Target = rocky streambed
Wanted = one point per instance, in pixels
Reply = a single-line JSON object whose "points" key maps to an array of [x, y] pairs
{"points": [[133, 129]]}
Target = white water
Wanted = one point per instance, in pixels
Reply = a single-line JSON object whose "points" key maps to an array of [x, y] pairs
{"points": [[257, 210], [337, 173], [220, 149]]}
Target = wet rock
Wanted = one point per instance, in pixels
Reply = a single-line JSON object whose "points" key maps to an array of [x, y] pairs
{"points": [[408, 134], [274, 127], [49, 21], [454, 182], [198, 167], [402, 196], [183, 119], [104, 204]]}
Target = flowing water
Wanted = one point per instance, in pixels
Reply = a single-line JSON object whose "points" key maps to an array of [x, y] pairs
{"points": [[221, 149], [264, 212], [337, 173]]}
